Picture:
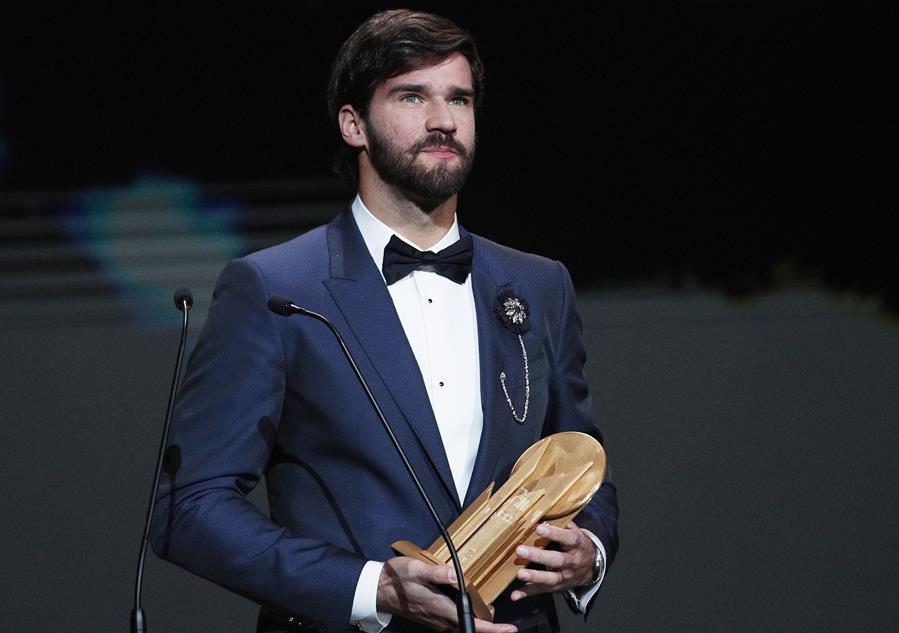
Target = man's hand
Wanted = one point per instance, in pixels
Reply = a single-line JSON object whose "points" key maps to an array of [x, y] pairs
{"points": [[412, 589], [569, 567]]}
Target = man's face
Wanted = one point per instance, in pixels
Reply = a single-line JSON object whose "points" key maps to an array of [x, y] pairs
{"points": [[420, 129]]}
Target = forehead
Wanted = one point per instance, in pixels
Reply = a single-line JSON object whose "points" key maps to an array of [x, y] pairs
{"points": [[454, 72]]}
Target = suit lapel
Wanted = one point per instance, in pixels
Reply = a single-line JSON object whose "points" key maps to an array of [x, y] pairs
{"points": [[358, 290], [498, 348]]}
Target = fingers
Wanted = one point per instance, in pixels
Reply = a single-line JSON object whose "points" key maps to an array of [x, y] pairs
{"points": [[570, 535], [483, 626], [566, 568], [438, 574], [406, 587], [409, 588], [571, 538], [532, 590], [545, 557], [547, 578], [427, 573]]}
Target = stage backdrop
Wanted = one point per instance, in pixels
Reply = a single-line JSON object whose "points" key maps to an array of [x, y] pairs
{"points": [[753, 445]]}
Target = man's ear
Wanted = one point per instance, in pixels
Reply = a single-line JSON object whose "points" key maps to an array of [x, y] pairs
{"points": [[352, 127]]}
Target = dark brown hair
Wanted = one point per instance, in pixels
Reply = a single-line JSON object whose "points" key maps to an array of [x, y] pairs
{"points": [[388, 44]]}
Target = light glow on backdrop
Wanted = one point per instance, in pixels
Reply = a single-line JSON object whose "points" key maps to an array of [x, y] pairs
{"points": [[151, 237]]}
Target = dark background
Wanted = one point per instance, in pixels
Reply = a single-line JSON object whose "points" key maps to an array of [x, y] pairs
{"points": [[733, 144], [718, 176]]}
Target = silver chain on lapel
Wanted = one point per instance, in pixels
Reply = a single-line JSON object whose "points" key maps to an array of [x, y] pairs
{"points": [[527, 386]]}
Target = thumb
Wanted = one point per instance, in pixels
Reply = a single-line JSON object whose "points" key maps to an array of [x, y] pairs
{"points": [[442, 575]]}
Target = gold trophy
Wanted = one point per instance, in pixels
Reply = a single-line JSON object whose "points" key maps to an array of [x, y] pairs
{"points": [[551, 482]]}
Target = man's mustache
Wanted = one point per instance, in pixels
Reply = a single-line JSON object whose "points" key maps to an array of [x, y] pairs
{"points": [[438, 140]]}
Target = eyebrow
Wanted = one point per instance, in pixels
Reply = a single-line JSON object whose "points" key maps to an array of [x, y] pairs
{"points": [[455, 91]]}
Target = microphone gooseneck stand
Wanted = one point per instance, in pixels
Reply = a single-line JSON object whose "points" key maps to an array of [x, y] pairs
{"points": [[286, 307], [183, 301]]}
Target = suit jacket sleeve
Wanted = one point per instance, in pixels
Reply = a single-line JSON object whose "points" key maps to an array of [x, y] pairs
{"points": [[223, 433]]}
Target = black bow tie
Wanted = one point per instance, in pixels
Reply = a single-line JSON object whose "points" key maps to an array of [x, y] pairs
{"points": [[453, 262]]}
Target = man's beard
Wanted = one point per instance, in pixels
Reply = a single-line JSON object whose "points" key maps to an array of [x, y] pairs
{"points": [[398, 167]]}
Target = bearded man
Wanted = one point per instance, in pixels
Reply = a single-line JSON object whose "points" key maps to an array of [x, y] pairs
{"points": [[466, 390]]}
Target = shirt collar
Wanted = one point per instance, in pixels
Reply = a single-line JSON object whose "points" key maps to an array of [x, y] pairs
{"points": [[376, 234]]}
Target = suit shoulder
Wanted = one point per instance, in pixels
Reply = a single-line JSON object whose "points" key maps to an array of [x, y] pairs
{"points": [[517, 264], [507, 254], [310, 245]]}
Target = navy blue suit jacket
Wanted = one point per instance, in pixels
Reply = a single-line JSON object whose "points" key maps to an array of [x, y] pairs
{"points": [[265, 395]]}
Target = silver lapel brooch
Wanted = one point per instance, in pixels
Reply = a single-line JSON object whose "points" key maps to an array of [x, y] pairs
{"points": [[513, 312]]}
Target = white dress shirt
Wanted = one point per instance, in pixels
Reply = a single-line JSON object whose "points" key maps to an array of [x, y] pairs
{"points": [[439, 319]]}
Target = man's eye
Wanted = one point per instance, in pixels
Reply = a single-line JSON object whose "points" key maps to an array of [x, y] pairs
{"points": [[410, 99], [460, 101]]}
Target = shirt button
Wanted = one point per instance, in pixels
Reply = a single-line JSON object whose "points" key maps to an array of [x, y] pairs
{"points": [[430, 301], [441, 383]]}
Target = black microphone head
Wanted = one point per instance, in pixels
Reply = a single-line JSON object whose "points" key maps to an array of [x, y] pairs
{"points": [[183, 296], [281, 305]]}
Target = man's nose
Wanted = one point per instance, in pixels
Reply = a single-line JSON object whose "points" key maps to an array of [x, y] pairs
{"points": [[440, 118]]}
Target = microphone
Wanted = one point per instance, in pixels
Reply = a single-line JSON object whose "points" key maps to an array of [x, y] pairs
{"points": [[286, 307], [184, 300]]}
